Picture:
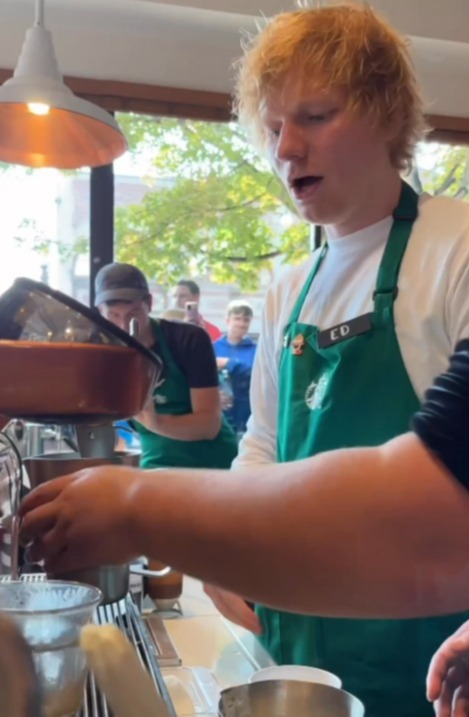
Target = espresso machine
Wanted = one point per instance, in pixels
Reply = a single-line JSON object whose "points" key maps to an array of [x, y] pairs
{"points": [[71, 374], [64, 365]]}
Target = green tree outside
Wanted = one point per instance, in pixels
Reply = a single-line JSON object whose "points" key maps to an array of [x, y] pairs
{"points": [[215, 208], [215, 218], [224, 213]]}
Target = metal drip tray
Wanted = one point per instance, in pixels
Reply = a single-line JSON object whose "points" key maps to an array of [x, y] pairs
{"points": [[126, 616]]}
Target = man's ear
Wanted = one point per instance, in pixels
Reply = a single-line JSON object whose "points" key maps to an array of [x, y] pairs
{"points": [[149, 302]]}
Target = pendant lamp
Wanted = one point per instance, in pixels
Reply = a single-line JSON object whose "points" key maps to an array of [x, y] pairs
{"points": [[42, 123]]}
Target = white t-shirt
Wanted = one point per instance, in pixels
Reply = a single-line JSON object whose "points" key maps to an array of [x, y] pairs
{"points": [[431, 311]]}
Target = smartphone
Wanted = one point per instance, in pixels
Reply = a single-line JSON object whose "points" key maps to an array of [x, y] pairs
{"points": [[192, 312]]}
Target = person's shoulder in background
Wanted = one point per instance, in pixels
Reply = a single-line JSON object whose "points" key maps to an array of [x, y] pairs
{"points": [[192, 350], [221, 344], [212, 330]]}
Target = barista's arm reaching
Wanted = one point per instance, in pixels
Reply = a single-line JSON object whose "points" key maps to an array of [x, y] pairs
{"points": [[362, 532]]}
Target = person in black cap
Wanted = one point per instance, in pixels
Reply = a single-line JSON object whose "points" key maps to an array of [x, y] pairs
{"points": [[183, 425]]}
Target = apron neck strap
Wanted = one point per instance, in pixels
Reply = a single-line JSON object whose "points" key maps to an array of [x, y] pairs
{"points": [[307, 285], [404, 217], [160, 340], [385, 292]]}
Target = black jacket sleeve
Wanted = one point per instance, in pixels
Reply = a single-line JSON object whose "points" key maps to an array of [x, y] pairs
{"points": [[442, 424]]}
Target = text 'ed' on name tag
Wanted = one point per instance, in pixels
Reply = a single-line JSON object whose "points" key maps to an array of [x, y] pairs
{"points": [[360, 325]]}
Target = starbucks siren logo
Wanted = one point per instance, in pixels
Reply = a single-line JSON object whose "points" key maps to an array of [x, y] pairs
{"points": [[316, 391]]}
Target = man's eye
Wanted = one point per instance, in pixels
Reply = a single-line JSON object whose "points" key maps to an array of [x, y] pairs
{"points": [[320, 117]]}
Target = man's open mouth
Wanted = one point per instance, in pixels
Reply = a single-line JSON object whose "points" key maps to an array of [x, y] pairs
{"points": [[301, 186]]}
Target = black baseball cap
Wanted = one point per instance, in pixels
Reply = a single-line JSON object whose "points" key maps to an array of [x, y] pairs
{"points": [[120, 282]]}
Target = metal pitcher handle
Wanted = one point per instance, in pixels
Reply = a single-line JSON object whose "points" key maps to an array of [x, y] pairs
{"points": [[139, 570]]}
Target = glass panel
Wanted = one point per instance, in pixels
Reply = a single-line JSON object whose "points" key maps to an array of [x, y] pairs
{"points": [[193, 200], [442, 169], [45, 228]]}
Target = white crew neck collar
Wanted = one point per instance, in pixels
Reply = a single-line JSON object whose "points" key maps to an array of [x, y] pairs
{"points": [[370, 235]]}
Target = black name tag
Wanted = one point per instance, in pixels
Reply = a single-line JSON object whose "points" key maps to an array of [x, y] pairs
{"points": [[344, 331]]}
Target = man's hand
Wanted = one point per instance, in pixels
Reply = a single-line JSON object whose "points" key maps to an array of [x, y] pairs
{"points": [[234, 608], [222, 363], [81, 520], [448, 676]]}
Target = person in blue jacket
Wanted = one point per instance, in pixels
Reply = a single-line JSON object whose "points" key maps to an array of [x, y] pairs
{"points": [[235, 353]]}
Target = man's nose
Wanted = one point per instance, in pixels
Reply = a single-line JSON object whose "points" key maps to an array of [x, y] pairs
{"points": [[291, 143]]}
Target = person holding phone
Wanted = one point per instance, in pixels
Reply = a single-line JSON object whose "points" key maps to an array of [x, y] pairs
{"points": [[187, 297], [182, 425]]}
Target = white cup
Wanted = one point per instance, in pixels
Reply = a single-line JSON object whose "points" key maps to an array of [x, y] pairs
{"points": [[299, 673]]}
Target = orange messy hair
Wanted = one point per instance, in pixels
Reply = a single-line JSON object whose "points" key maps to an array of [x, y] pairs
{"points": [[344, 46]]}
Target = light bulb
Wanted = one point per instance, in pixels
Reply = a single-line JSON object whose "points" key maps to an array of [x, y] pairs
{"points": [[38, 108]]}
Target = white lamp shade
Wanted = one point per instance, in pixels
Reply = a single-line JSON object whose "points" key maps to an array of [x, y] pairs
{"points": [[74, 133]]}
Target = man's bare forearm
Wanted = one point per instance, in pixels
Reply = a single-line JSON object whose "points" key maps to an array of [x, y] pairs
{"points": [[397, 545], [188, 427]]}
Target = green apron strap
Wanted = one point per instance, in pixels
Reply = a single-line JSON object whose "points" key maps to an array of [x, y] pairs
{"points": [[404, 216], [306, 287], [160, 339]]}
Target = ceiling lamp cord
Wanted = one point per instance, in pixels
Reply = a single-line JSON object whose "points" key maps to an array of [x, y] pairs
{"points": [[39, 12]]}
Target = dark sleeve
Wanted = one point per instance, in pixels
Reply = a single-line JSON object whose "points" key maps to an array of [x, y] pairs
{"points": [[192, 350], [442, 423]]}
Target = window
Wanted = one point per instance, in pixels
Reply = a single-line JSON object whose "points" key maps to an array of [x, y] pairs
{"points": [[193, 199], [442, 169], [45, 228]]}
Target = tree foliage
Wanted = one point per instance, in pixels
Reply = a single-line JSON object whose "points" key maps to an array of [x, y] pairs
{"points": [[213, 206], [443, 169], [216, 208]]}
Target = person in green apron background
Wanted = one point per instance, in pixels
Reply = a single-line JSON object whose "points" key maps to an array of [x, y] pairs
{"points": [[182, 426], [351, 339]]}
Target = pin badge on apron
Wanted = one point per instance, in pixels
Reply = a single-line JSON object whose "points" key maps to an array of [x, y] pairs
{"points": [[297, 345]]}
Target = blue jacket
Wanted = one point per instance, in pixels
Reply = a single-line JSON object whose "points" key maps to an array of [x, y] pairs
{"points": [[239, 367]]}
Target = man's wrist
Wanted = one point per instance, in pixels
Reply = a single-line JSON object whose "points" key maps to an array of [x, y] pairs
{"points": [[141, 496]]}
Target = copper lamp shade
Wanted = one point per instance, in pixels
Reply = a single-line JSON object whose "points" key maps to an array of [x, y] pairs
{"points": [[42, 123]]}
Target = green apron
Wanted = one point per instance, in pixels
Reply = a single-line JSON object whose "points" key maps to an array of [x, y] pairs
{"points": [[173, 398], [348, 386]]}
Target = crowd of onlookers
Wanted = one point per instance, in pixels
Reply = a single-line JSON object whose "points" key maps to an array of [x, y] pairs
{"points": [[234, 349]]}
